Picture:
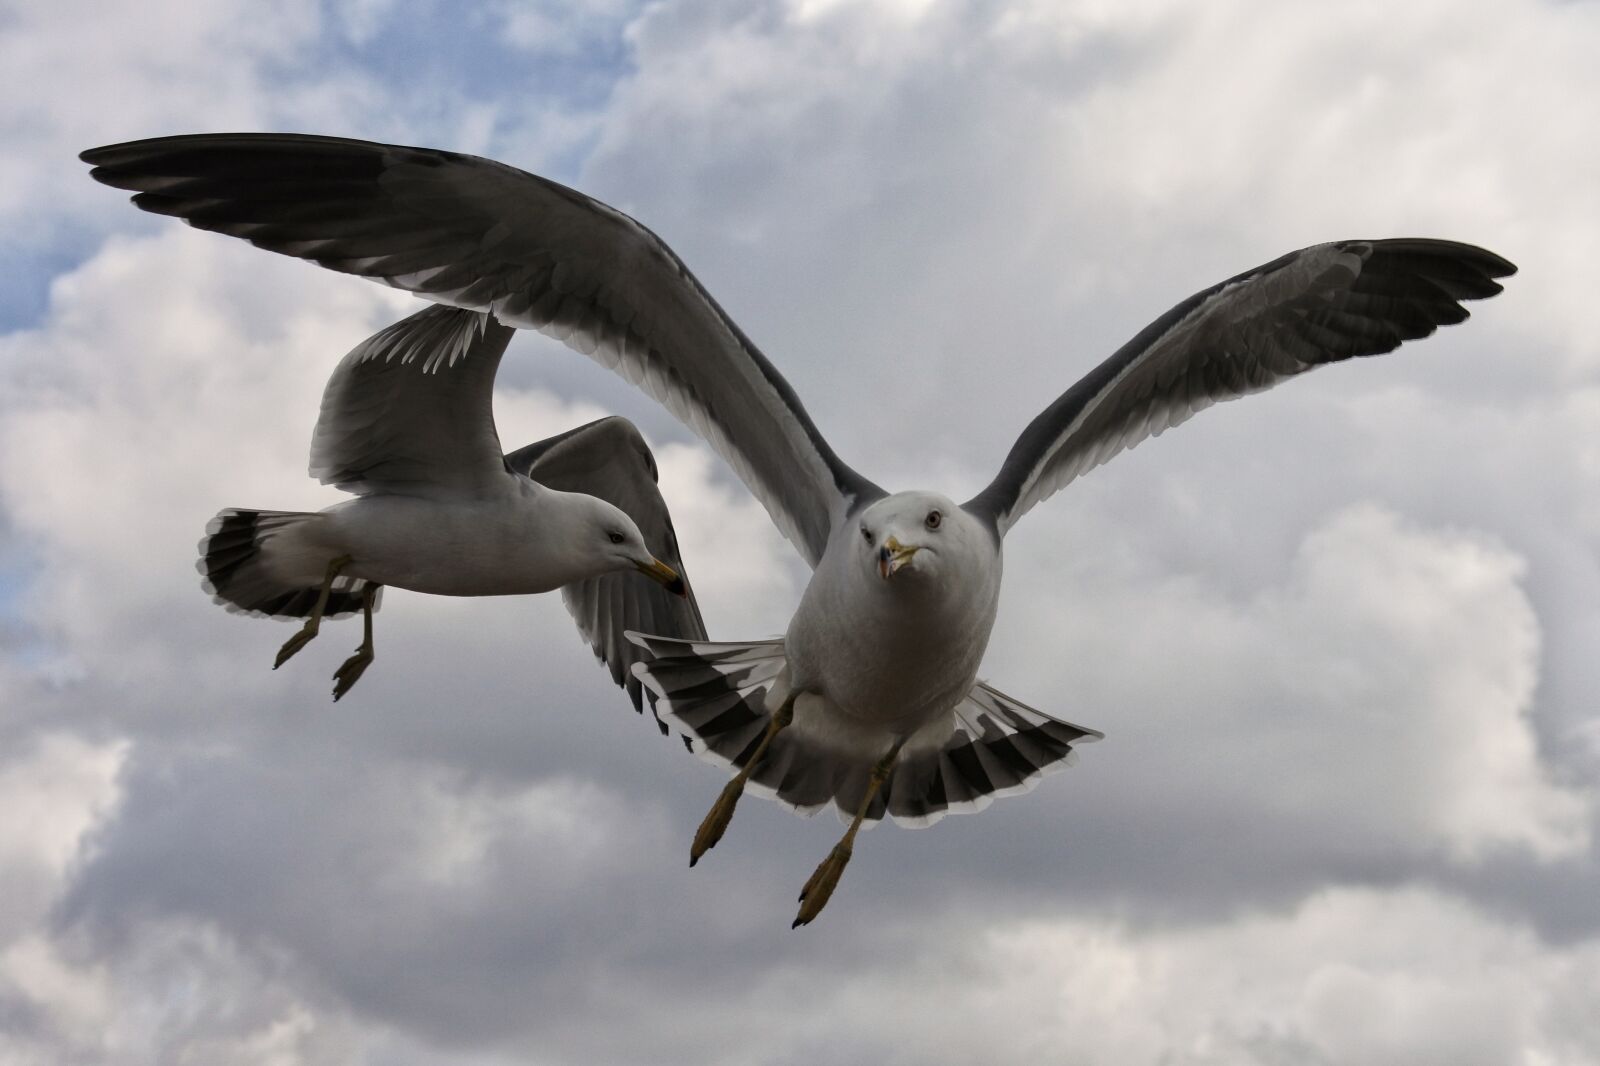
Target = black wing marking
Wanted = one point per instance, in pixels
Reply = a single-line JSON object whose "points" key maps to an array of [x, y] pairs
{"points": [[609, 459], [1319, 305]]}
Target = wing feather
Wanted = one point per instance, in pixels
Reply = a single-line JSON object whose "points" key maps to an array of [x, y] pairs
{"points": [[474, 233], [410, 409], [1319, 305], [608, 458]]}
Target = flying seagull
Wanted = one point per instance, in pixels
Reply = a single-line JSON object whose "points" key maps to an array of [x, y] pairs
{"points": [[406, 425], [871, 700]]}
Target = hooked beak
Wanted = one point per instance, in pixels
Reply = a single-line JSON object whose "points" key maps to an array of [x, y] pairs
{"points": [[893, 557], [658, 571]]}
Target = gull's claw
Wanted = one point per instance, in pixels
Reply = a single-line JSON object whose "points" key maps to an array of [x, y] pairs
{"points": [[716, 820], [349, 673], [296, 642], [814, 896]]}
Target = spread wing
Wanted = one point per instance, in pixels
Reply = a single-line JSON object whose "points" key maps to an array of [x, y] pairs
{"points": [[609, 459], [409, 410], [1318, 305], [473, 233]]}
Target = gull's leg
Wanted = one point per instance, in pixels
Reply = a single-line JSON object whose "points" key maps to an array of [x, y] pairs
{"points": [[814, 896], [348, 674], [721, 813], [309, 630]]}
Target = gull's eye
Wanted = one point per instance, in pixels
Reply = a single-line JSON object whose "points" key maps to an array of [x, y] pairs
{"points": [[616, 537], [933, 520], [866, 534]]}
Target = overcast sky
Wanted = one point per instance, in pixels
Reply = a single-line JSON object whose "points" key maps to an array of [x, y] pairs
{"points": [[1341, 637]]}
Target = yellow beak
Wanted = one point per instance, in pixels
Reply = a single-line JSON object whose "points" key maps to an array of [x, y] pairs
{"points": [[656, 570], [893, 556]]}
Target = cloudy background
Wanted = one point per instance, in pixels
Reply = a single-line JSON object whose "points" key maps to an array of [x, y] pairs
{"points": [[1341, 638]]}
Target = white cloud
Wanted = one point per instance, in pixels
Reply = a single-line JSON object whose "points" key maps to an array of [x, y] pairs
{"points": [[125, 72], [53, 794], [1428, 656], [1377, 697], [1407, 976], [169, 382], [1338, 636], [562, 27]]}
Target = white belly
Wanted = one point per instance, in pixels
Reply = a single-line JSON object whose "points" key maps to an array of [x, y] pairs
{"points": [[455, 548], [902, 662]]}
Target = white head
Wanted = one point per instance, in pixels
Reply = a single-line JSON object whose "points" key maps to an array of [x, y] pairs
{"points": [[912, 539], [601, 538]]}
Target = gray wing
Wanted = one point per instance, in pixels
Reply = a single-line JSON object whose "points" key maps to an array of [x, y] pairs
{"points": [[1318, 305], [474, 233], [409, 410], [609, 459]]}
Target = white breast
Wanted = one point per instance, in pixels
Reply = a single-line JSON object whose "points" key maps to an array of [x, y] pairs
{"points": [[490, 547], [893, 655]]}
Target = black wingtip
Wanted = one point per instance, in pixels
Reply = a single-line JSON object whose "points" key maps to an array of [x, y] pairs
{"points": [[108, 153], [97, 157]]}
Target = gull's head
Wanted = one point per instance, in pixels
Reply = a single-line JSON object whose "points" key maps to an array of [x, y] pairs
{"points": [[912, 537], [609, 540]]}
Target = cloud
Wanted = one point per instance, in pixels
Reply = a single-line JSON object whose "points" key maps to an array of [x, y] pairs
{"points": [[1339, 636], [1377, 698], [55, 793], [1406, 976], [565, 27]]}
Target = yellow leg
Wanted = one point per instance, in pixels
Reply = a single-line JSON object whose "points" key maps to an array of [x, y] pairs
{"points": [[347, 675], [309, 630], [814, 896], [721, 813]]}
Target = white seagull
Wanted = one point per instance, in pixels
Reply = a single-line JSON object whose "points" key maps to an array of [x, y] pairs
{"points": [[871, 700], [407, 425]]}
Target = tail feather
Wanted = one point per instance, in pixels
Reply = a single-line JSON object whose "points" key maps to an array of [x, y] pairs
{"points": [[1000, 747], [234, 573], [717, 693]]}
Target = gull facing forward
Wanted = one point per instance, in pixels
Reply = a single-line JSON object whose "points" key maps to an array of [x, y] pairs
{"points": [[871, 700]]}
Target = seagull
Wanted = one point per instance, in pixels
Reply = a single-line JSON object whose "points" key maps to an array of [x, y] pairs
{"points": [[870, 701], [406, 425]]}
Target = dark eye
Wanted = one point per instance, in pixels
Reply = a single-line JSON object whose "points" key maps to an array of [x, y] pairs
{"points": [[933, 519], [866, 534], [616, 538]]}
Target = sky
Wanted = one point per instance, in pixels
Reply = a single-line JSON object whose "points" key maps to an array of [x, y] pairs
{"points": [[1340, 636]]}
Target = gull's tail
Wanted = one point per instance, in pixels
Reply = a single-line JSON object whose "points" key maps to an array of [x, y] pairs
{"points": [[238, 576], [720, 696]]}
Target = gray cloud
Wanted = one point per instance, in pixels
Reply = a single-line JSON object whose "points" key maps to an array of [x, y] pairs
{"points": [[1339, 636]]}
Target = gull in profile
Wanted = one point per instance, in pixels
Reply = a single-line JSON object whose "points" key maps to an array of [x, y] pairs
{"points": [[407, 426], [871, 700]]}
